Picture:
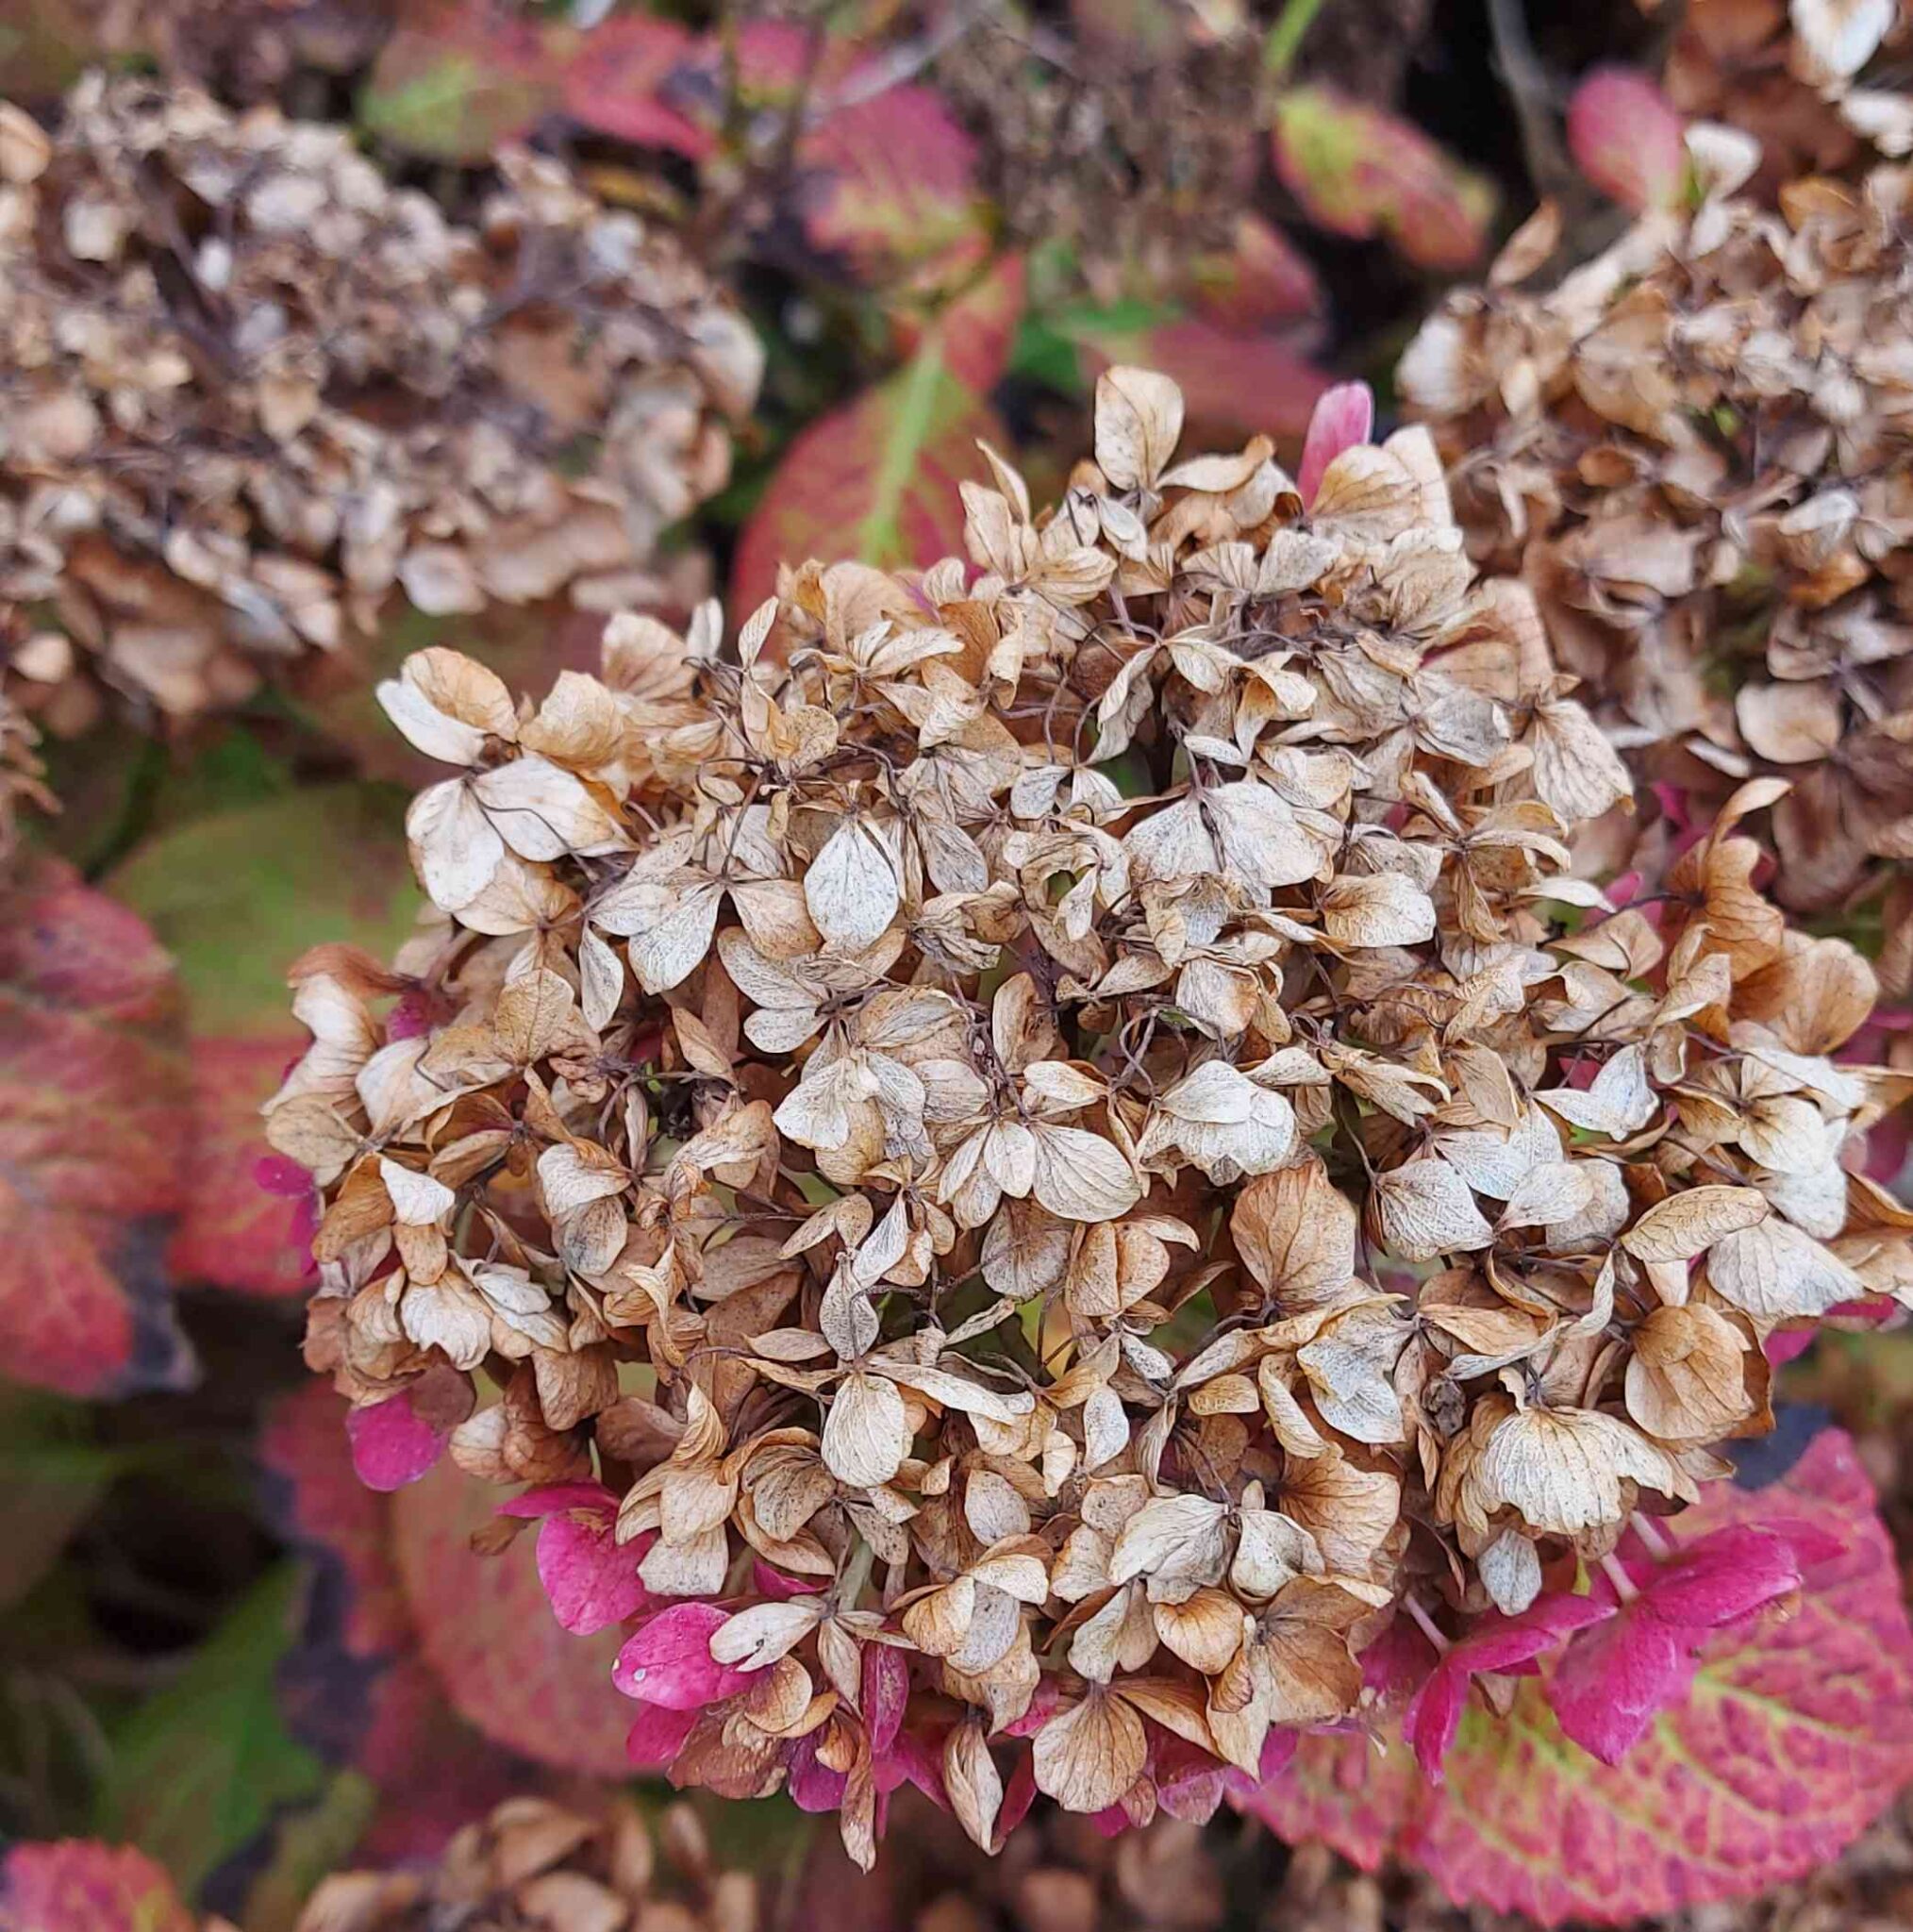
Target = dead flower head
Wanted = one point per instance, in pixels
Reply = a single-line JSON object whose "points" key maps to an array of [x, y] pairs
{"points": [[253, 386], [573, 1868], [1698, 450], [1035, 1150]]}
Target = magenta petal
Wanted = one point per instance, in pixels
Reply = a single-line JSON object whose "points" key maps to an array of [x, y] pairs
{"points": [[550, 1497], [1189, 1782], [1018, 1794], [1434, 1715], [590, 1580], [885, 1690], [922, 1763], [392, 1445], [669, 1661], [1722, 1577], [813, 1787], [278, 1176], [780, 1587], [657, 1737], [1612, 1683], [1503, 1643], [1810, 1544], [1343, 417]]}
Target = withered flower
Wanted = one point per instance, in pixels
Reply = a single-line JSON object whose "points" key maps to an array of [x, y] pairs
{"points": [[1060, 1137], [1698, 451], [253, 386], [569, 1867]]}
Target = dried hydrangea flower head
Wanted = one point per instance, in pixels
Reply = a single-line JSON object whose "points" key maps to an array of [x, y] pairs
{"points": [[1036, 1153], [1814, 81], [564, 1867], [253, 385], [1698, 449]]}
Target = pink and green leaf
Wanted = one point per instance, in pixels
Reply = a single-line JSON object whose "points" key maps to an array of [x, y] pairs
{"points": [[94, 1130], [877, 479], [891, 184], [1363, 173], [458, 81], [81, 1885], [1797, 1733]]}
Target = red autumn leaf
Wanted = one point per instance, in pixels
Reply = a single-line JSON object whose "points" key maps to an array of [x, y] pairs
{"points": [[891, 183], [460, 80], [80, 1885], [235, 1232], [1362, 172], [506, 1664], [1263, 281], [619, 78], [1232, 385], [433, 1667], [1796, 1734], [1628, 140], [94, 1123], [877, 479]]}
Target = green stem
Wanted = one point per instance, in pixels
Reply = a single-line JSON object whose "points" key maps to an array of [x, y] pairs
{"points": [[1285, 38]]}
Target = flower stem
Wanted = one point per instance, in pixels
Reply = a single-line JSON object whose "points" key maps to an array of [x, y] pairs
{"points": [[1426, 1625], [1616, 1573], [1658, 1545], [1285, 38]]}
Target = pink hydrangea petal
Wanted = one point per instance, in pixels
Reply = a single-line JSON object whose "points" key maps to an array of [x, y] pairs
{"points": [[1502, 1643], [921, 1760], [1189, 1782], [391, 1443], [813, 1787], [885, 1690], [1018, 1794], [1613, 1682], [1343, 417], [1434, 1715], [1810, 1544], [590, 1580], [551, 1497], [278, 1176], [780, 1588], [1111, 1822], [1722, 1578], [656, 1737], [669, 1661]]}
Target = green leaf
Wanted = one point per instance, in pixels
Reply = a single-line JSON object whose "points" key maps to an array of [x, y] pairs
{"points": [[309, 1845], [201, 1767], [50, 1477], [238, 896], [455, 87]]}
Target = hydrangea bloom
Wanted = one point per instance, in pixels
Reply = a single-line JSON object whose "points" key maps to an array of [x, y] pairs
{"points": [[1047, 1145]]}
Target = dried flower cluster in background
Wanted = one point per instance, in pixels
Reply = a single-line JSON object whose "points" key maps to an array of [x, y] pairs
{"points": [[974, 1251], [1698, 451], [1819, 83], [251, 386], [533, 1863]]}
